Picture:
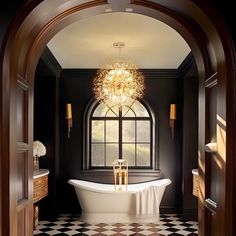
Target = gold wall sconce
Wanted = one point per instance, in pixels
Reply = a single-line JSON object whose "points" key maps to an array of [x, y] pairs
{"points": [[172, 118], [69, 118]]}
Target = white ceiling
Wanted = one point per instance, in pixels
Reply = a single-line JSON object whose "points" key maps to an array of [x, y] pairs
{"points": [[89, 43]]}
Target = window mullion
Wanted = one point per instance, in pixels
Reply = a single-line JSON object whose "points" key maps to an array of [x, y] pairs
{"points": [[151, 145], [90, 145]]}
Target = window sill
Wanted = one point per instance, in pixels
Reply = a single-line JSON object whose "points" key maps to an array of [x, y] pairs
{"points": [[132, 173]]}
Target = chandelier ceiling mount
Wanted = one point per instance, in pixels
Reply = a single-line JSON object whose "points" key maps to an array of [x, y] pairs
{"points": [[119, 45]]}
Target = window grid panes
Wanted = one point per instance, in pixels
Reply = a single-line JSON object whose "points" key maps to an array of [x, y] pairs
{"points": [[124, 133]]}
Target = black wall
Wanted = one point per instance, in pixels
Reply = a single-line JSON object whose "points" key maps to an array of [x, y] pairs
{"points": [[189, 138], [76, 88], [176, 157], [7, 11], [46, 124]]}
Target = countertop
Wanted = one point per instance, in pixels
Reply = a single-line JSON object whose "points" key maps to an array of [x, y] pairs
{"points": [[40, 173]]}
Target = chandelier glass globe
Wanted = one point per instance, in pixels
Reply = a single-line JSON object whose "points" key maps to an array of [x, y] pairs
{"points": [[118, 83]]}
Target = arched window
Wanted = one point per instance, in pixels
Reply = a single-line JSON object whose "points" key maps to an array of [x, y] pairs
{"points": [[120, 133]]}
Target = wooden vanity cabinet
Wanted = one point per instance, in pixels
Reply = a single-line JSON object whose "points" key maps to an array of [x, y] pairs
{"points": [[40, 190]]}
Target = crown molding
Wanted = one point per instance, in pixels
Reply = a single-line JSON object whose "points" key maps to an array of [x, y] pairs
{"points": [[48, 58], [186, 65]]}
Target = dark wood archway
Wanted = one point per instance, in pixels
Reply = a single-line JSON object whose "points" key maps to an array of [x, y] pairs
{"points": [[38, 22]]}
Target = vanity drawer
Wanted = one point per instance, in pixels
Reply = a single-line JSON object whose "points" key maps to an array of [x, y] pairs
{"points": [[41, 182], [40, 193], [40, 188]]}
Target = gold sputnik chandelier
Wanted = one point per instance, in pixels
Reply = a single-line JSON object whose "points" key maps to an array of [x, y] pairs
{"points": [[119, 82]]}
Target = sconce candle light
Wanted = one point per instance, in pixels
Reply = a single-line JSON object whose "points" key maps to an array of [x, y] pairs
{"points": [[172, 118], [69, 118]]}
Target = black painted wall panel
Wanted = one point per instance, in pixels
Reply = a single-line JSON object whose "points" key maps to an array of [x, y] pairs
{"points": [[76, 88], [46, 125], [189, 142]]}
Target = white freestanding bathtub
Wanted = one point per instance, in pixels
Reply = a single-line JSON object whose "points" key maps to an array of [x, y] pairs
{"points": [[100, 203]]}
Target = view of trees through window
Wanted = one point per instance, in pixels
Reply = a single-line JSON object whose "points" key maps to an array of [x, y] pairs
{"points": [[121, 133]]}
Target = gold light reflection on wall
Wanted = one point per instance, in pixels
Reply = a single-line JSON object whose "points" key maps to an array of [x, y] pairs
{"points": [[221, 141], [221, 120], [220, 159], [201, 176]]}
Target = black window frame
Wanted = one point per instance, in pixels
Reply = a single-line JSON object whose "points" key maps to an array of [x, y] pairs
{"points": [[153, 159]]}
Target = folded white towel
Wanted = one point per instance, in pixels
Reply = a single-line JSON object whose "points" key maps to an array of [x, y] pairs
{"points": [[147, 201]]}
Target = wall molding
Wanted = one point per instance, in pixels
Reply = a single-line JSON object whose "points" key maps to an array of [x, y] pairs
{"points": [[186, 65], [150, 73], [168, 210], [160, 73], [49, 59], [189, 214]]}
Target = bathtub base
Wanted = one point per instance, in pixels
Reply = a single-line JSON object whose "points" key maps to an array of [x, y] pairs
{"points": [[117, 218], [101, 204]]}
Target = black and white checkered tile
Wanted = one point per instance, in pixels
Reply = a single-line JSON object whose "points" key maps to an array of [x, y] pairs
{"points": [[169, 224]]}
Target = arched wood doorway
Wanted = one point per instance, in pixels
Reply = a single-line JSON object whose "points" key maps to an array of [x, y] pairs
{"points": [[38, 22]]}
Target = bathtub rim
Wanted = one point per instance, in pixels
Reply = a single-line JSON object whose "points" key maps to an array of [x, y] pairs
{"points": [[74, 184]]}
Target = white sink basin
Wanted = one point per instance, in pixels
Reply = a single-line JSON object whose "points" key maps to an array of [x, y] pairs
{"points": [[40, 173]]}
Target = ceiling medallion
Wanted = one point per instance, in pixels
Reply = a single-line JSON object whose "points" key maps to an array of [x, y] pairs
{"points": [[119, 82]]}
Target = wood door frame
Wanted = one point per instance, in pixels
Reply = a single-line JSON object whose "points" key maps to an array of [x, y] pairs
{"points": [[201, 27]]}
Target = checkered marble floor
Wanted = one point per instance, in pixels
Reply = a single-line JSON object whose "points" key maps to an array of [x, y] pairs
{"points": [[65, 224]]}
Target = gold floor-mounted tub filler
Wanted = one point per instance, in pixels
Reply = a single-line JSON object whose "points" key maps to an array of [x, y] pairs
{"points": [[120, 169]]}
